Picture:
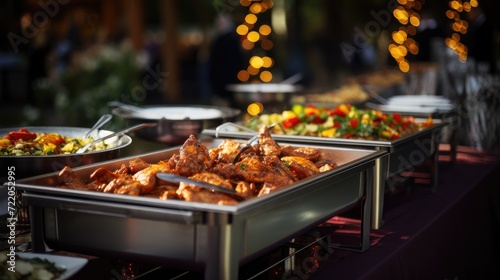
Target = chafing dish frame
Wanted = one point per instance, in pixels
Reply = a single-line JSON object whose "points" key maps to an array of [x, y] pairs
{"points": [[400, 155], [215, 238]]}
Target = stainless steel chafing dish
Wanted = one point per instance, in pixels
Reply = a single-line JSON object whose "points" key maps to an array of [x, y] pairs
{"points": [[403, 154], [216, 239]]}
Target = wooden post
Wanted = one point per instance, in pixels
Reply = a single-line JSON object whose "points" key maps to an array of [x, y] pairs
{"points": [[170, 58], [134, 16]]}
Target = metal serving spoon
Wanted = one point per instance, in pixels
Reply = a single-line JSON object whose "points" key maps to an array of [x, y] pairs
{"points": [[102, 121], [176, 178], [116, 134]]}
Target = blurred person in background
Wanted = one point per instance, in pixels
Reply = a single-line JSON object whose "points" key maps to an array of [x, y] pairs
{"points": [[480, 40], [225, 59]]}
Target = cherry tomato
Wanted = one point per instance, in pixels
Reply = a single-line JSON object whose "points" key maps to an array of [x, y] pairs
{"points": [[396, 117], [291, 122], [22, 133], [354, 123]]}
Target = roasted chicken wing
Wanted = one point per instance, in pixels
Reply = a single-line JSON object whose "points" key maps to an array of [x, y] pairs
{"points": [[254, 171], [193, 158]]}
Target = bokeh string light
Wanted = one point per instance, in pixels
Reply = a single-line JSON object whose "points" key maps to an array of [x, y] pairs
{"points": [[255, 39], [402, 45], [459, 26], [407, 14]]}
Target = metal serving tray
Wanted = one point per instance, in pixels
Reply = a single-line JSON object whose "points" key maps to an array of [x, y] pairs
{"points": [[403, 154], [213, 238]]}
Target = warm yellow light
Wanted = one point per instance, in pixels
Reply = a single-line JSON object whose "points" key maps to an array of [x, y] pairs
{"points": [[265, 29], [411, 30], [256, 62], [450, 14], [474, 3], [247, 45], [25, 20], [456, 5], [267, 4], [392, 46], [399, 37], [245, 3], [413, 49], [252, 71], [400, 13], [251, 18], [417, 5], [255, 108], [415, 21], [242, 29], [253, 36], [266, 76], [467, 6], [267, 44], [243, 76], [268, 62], [256, 8], [402, 50], [404, 66]]}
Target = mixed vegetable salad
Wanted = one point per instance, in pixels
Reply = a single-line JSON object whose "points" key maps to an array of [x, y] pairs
{"points": [[343, 121], [26, 143], [29, 268]]}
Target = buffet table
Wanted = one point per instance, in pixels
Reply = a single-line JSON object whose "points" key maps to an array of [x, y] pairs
{"points": [[451, 234]]}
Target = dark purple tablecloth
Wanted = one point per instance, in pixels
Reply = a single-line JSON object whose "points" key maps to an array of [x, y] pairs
{"points": [[451, 234]]}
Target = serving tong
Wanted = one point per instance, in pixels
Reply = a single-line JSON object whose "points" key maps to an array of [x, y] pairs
{"points": [[100, 122], [250, 142], [116, 134], [176, 178]]}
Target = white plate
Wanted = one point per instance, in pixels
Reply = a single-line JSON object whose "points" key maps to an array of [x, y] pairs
{"points": [[178, 113], [419, 100], [71, 264], [411, 110], [264, 88]]}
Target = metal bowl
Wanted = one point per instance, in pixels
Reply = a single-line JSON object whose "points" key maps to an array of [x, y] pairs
{"points": [[27, 166], [265, 93], [176, 122]]}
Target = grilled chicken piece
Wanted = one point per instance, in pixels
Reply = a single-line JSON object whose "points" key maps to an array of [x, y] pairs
{"points": [[147, 176], [125, 185], [213, 179], [225, 152], [165, 192], [137, 165], [111, 182], [280, 166], [193, 158], [101, 177], [252, 170], [309, 153], [325, 165], [197, 194], [246, 189], [268, 188], [267, 145], [300, 166], [132, 167], [70, 180]]}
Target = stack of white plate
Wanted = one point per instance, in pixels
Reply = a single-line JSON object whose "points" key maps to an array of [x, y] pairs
{"points": [[415, 103]]}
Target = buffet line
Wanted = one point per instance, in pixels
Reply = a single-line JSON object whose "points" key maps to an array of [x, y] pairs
{"points": [[243, 185]]}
